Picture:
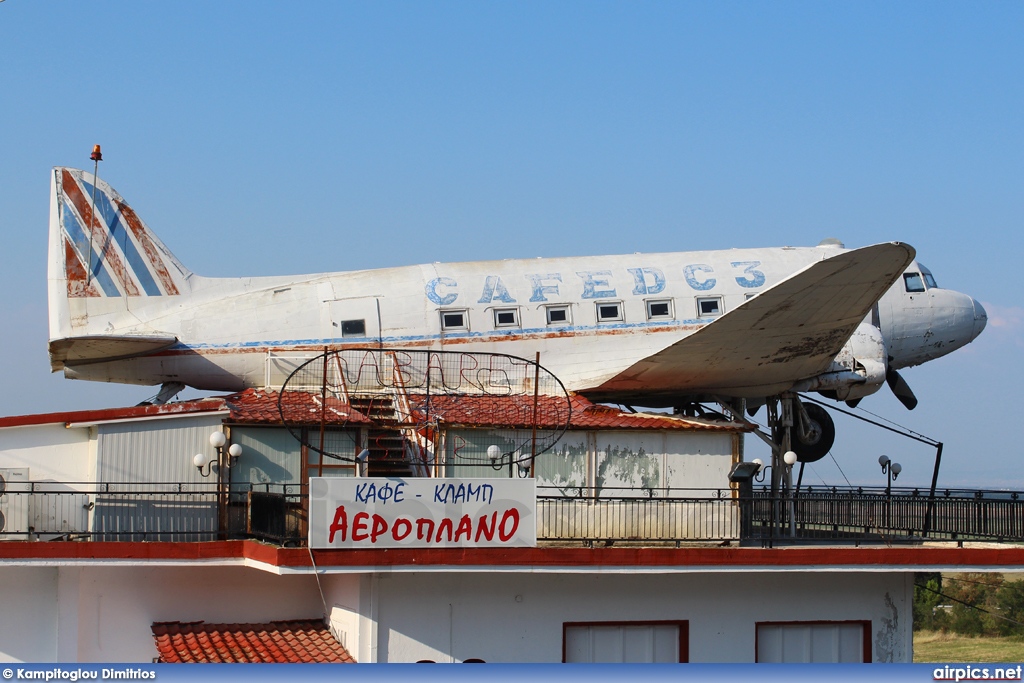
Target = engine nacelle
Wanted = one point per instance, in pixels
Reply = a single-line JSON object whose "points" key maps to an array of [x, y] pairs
{"points": [[858, 370]]}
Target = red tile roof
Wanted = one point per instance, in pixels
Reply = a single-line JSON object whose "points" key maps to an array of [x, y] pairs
{"points": [[255, 406], [587, 415], [306, 641], [517, 411]]}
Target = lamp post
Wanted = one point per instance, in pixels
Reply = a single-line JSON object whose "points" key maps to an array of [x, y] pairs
{"points": [[790, 458], [891, 470], [496, 457], [761, 470], [205, 460]]}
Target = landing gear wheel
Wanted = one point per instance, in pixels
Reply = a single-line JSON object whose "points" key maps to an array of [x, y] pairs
{"points": [[813, 443]]}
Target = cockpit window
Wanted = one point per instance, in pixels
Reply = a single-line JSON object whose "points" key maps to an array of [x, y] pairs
{"points": [[913, 282], [929, 281]]}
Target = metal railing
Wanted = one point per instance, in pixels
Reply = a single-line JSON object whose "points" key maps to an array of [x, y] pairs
{"points": [[150, 511], [902, 515], [809, 515], [277, 513], [643, 515]]}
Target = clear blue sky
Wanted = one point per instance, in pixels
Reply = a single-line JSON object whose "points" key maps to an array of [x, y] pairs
{"points": [[274, 137]]}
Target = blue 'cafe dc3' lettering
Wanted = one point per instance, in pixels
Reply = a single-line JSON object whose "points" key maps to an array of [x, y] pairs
{"points": [[596, 283], [756, 278], [494, 290], [645, 286], [690, 273], [438, 298], [540, 289], [592, 279]]}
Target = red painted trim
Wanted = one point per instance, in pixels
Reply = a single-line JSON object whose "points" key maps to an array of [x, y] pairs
{"points": [[711, 558], [100, 415], [682, 624], [865, 624]]}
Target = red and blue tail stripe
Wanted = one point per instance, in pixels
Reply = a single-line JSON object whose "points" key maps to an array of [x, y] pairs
{"points": [[108, 250]]}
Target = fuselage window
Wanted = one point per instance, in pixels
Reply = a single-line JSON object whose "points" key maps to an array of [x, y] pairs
{"points": [[929, 280], [558, 315], [609, 312], [709, 306], [913, 282], [506, 317], [659, 310], [353, 328], [455, 320]]}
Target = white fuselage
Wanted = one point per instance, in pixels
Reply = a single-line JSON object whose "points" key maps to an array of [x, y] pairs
{"points": [[124, 309], [589, 318]]}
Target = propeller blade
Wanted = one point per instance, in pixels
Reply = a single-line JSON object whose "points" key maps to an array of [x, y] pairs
{"points": [[901, 389]]}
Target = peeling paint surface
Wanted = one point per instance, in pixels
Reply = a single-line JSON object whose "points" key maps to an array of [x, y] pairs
{"points": [[889, 637]]}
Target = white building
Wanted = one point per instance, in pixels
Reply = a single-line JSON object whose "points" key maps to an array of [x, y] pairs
{"points": [[114, 539]]}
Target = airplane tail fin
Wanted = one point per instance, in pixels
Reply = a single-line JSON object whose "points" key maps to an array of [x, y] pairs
{"points": [[102, 257], [99, 247]]}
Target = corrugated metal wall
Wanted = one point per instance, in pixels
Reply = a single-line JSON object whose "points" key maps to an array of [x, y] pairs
{"points": [[154, 450], [625, 462], [270, 455], [132, 457]]}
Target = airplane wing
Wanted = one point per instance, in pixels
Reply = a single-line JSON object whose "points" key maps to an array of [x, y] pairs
{"points": [[97, 348], [786, 333]]}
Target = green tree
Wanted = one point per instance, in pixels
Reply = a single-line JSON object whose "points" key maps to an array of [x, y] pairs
{"points": [[1009, 604], [927, 586], [974, 597]]}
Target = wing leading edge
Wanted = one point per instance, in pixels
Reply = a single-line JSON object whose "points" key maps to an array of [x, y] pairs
{"points": [[789, 332]]}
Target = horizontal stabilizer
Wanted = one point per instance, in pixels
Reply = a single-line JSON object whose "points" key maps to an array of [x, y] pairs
{"points": [[98, 348], [789, 332]]}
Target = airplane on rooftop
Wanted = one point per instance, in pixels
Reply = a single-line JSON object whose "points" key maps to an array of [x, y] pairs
{"points": [[654, 330]]}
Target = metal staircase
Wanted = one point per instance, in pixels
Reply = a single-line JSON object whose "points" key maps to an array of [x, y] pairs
{"points": [[385, 440]]}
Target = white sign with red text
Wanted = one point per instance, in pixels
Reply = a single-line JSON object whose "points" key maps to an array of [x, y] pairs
{"points": [[378, 512]]}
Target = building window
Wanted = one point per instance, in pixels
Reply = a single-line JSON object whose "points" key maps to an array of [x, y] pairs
{"points": [[814, 641], [327, 467], [626, 642], [506, 317], [454, 320], [558, 315], [709, 306], [659, 310], [353, 328], [609, 312]]}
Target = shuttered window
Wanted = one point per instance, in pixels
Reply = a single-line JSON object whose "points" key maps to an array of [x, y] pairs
{"points": [[822, 642], [626, 642]]}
